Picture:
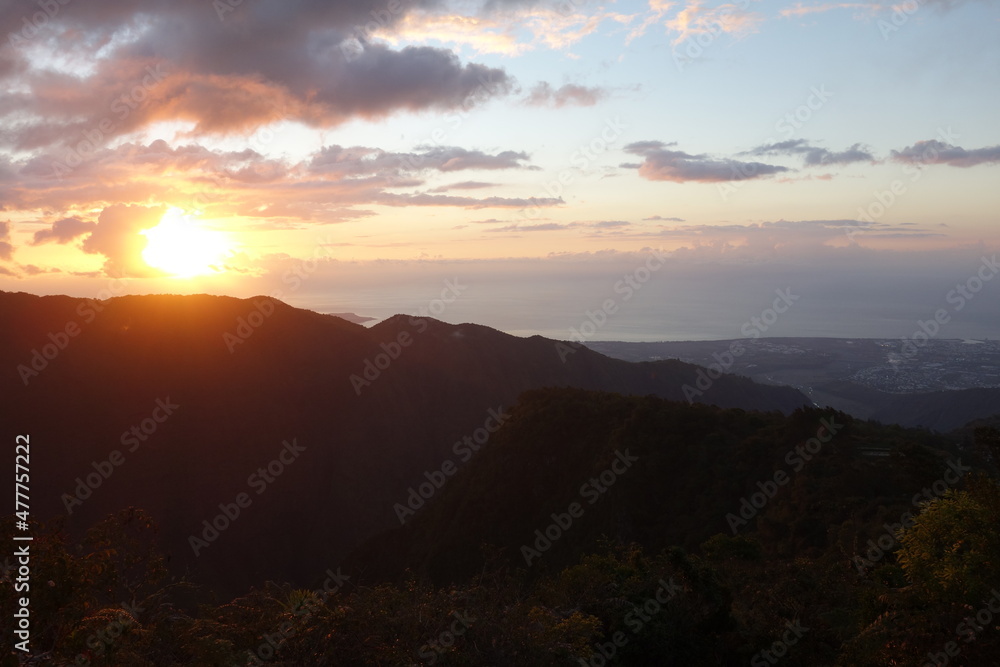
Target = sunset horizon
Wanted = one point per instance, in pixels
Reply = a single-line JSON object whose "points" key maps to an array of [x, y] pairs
{"points": [[527, 333], [386, 148]]}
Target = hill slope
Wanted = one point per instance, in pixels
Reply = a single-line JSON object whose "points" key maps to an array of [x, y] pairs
{"points": [[313, 427], [657, 473]]}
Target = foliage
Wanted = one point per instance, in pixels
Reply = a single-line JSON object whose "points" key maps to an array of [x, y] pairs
{"points": [[619, 590]]}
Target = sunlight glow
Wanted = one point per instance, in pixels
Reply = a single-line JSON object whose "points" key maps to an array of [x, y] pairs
{"points": [[182, 248]]}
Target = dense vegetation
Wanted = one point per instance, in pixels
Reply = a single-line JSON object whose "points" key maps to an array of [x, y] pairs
{"points": [[651, 573]]}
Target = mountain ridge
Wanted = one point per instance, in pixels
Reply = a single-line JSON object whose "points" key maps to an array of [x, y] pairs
{"points": [[247, 376]]}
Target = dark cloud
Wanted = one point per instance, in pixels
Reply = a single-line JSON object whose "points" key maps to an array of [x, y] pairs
{"points": [[544, 95], [661, 164], [661, 218], [266, 60], [814, 156], [607, 224], [938, 152], [63, 231]]}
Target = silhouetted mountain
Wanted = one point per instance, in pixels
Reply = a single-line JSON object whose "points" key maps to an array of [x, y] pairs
{"points": [[188, 406], [678, 475], [942, 411]]}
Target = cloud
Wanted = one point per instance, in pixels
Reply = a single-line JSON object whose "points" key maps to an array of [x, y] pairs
{"points": [[358, 161], [63, 231], [814, 156], [542, 227], [800, 9], [6, 249], [561, 226], [661, 164], [336, 184], [543, 95], [657, 10], [661, 218], [179, 62], [695, 19], [32, 270], [423, 199], [464, 185], [483, 34], [937, 152], [452, 158], [763, 239], [507, 28], [117, 236], [865, 10]]}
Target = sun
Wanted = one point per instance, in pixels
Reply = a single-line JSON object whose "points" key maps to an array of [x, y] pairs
{"points": [[182, 248]]}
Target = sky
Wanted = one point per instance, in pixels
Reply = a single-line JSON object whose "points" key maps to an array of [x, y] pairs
{"points": [[662, 170]]}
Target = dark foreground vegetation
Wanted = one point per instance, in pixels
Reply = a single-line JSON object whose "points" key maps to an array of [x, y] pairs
{"points": [[855, 559]]}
